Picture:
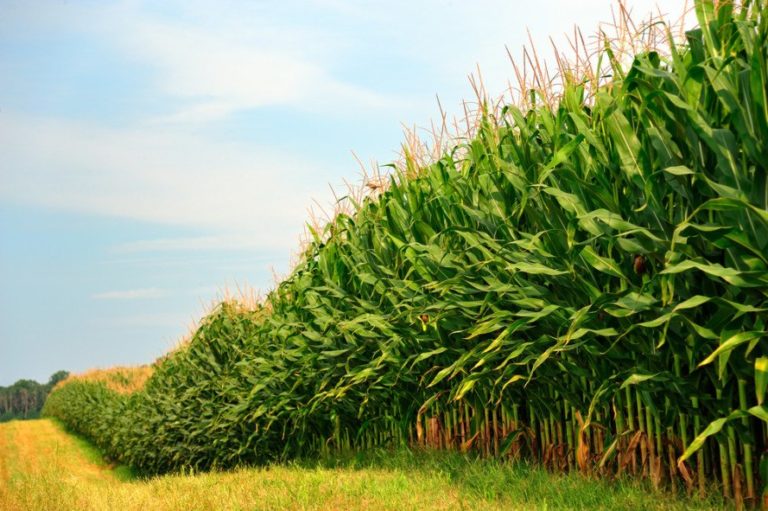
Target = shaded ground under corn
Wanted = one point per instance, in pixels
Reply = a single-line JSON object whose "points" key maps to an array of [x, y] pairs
{"points": [[42, 467]]}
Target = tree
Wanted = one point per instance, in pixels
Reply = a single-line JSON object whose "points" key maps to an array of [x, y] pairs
{"points": [[25, 398]]}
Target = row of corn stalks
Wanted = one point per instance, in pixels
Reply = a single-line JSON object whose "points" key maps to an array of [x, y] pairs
{"points": [[584, 286]]}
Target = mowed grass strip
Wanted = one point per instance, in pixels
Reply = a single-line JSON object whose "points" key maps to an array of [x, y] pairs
{"points": [[44, 468]]}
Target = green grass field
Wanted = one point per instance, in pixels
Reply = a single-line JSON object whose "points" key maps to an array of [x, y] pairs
{"points": [[42, 467]]}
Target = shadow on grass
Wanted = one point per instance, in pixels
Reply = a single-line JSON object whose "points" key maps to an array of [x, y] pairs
{"points": [[123, 473], [518, 481], [495, 480]]}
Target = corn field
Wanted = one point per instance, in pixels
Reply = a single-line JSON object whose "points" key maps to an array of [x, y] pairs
{"points": [[582, 285]]}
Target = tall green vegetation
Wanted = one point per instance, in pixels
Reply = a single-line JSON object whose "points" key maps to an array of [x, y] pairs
{"points": [[584, 285], [25, 398]]}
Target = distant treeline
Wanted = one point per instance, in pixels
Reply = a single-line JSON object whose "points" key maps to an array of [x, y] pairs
{"points": [[25, 398]]}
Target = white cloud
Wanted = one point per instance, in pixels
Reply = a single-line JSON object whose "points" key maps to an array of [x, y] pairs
{"points": [[214, 58], [165, 320], [219, 64], [221, 73], [190, 244], [160, 175], [131, 294]]}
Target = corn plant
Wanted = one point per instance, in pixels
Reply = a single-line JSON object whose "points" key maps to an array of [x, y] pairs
{"points": [[583, 285]]}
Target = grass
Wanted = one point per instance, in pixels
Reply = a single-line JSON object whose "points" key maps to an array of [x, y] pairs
{"points": [[42, 467]]}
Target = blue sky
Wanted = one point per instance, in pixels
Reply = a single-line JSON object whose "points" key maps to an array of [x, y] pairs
{"points": [[153, 154]]}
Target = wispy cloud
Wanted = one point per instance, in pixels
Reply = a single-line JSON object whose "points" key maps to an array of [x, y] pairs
{"points": [[175, 321], [209, 61], [161, 176], [131, 294], [196, 244], [193, 64], [219, 73]]}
